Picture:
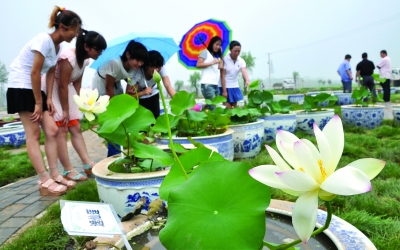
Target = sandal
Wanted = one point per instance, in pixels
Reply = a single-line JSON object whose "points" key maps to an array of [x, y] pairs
{"points": [[88, 167], [45, 190], [69, 184], [77, 177]]}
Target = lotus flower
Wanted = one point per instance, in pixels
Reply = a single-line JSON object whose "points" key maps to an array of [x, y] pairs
{"points": [[311, 173], [89, 102]]}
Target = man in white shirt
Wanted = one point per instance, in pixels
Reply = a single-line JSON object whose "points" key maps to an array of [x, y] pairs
{"points": [[385, 68]]}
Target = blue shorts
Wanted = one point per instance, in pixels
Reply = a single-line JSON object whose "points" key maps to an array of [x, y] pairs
{"points": [[234, 94]]}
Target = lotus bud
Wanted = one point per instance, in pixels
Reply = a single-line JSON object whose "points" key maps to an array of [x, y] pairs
{"points": [[156, 77], [129, 81], [361, 78]]}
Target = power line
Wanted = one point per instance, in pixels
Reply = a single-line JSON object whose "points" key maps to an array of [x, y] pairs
{"points": [[339, 35]]}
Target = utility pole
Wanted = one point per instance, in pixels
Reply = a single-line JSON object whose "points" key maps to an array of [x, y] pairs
{"points": [[269, 71]]}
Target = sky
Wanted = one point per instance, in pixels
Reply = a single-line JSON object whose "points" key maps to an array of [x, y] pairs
{"points": [[308, 36]]}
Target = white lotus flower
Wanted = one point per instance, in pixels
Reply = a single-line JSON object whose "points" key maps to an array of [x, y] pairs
{"points": [[89, 102], [312, 173]]}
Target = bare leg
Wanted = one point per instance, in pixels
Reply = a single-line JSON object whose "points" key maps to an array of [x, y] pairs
{"points": [[70, 173], [50, 131], [79, 143], [32, 132]]}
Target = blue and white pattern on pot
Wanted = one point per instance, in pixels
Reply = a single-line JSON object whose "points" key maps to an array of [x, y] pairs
{"points": [[274, 123], [248, 139], [223, 143], [125, 194], [298, 99], [396, 114], [14, 136], [344, 99], [368, 118], [307, 124]]}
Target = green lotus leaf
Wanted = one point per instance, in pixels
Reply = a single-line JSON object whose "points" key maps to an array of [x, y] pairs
{"points": [[178, 148], [255, 84], [120, 108], [267, 96], [255, 97], [175, 176], [219, 207], [182, 101], [196, 116], [161, 123], [322, 97], [238, 111], [144, 151]]}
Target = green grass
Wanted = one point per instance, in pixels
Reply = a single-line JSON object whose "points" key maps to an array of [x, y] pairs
{"points": [[48, 232], [14, 167]]}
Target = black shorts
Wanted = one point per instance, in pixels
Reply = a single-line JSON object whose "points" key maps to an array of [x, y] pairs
{"points": [[152, 104], [19, 100]]}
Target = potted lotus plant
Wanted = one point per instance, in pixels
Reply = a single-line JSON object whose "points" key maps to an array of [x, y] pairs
{"points": [[275, 114], [209, 127], [364, 112], [316, 109], [140, 168]]}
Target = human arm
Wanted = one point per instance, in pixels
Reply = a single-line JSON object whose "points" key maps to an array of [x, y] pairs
{"points": [[221, 63], [78, 84], [49, 88], [37, 65], [357, 74], [201, 64], [245, 76], [349, 73], [65, 70], [110, 81], [223, 83], [168, 86]]}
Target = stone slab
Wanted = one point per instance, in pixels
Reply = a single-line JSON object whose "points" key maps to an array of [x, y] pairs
{"points": [[5, 233], [10, 211], [15, 222], [34, 209], [10, 200]]}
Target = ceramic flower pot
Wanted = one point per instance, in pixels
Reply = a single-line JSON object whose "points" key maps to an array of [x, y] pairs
{"points": [[274, 122], [123, 190], [367, 117], [12, 135], [344, 98], [222, 142], [396, 113], [297, 98], [247, 139], [277, 98], [305, 120]]}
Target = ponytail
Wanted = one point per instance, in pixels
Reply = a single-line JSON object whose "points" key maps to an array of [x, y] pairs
{"points": [[62, 16], [92, 39]]}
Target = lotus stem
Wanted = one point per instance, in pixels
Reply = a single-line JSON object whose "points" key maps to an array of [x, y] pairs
{"points": [[169, 131]]}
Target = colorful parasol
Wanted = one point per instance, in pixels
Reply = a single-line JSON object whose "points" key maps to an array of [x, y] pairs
{"points": [[198, 37]]}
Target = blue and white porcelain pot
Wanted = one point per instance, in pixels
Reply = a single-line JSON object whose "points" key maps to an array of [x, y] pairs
{"points": [[123, 190], [222, 142], [396, 113], [297, 98], [366, 117], [247, 139], [344, 99], [12, 135], [305, 120], [272, 123]]}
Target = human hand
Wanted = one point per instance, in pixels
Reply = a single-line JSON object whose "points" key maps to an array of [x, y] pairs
{"points": [[247, 83], [37, 113], [148, 91], [351, 78], [50, 107], [356, 80], [215, 61], [225, 94], [65, 118]]}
